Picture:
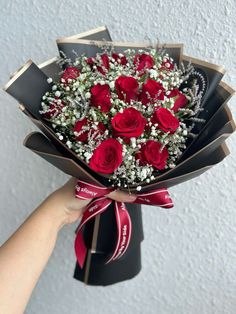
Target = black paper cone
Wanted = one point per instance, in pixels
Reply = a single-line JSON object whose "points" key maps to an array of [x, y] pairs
{"points": [[97, 273], [100, 239]]}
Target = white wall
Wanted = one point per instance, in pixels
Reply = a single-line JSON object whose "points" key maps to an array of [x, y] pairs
{"points": [[189, 252]]}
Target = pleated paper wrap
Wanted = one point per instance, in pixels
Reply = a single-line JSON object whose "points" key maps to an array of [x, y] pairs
{"points": [[29, 84]]}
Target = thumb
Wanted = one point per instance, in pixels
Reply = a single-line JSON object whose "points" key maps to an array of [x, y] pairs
{"points": [[121, 196]]}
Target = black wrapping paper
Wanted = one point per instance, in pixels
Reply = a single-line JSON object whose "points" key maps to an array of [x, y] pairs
{"points": [[40, 145], [96, 271], [213, 113], [29, 84], [100, 240], [204, 71], [39, 81]]}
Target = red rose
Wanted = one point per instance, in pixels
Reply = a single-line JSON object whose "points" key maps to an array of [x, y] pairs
{"points": [[105, 64], [90, 61], [165, 119], [129, 123], [100, 96], [101, 127], [54, 110], [126, 88], [143, 62], [151, 92], [151, 153], [167, 65], [180, 99], [99, 131], [122, 60], [105, 61], [70, 73], [107, 157], [83, 137]]}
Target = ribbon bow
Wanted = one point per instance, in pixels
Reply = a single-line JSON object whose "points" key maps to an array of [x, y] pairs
{"points": [[85, 191]]}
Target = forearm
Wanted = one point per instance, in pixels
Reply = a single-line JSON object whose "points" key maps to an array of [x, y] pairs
{"points": [[25, 254]]}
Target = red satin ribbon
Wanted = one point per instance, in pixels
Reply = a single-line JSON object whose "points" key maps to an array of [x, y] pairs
{"points": [[85, 191]]}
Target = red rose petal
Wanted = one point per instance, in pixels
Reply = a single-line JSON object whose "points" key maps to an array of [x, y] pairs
{"points": [[100, 96], [167, 122], [107, 157], [129, 123], [70, 73]]}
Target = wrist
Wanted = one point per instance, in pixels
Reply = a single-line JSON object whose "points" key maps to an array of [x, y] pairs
{"points": [[55, 211], [64, 207]]}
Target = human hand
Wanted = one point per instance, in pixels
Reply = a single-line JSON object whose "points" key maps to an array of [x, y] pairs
{"points": [[64, 200]]}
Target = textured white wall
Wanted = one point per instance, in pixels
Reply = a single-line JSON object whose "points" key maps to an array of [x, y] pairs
{"points": [[189, 252]]}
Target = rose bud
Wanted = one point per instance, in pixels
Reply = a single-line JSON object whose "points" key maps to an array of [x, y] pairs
{"points": [[54, 109], [151, 92], [167, 65], [152, 154], [105, 64], [122, 60], [127, 88], [167, 122], [100, 96], [129, 123], [105, 61], [180, 99], [90, 61], [107, 157], [143, 62], [99, 130], [83, 137], [70, 73]]}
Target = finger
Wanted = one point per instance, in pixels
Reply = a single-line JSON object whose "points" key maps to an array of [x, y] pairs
{"points": [[117, 195], [74, 204], [121, 196], [71, 183]]}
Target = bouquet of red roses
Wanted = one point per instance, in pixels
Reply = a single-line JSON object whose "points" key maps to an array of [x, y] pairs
{"points": [[123, 114], [139, 118]]}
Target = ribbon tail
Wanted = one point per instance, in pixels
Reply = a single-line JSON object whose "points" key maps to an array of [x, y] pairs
{"points": [[80, 249], [124, 230], [94, 208], [159, 197]]}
